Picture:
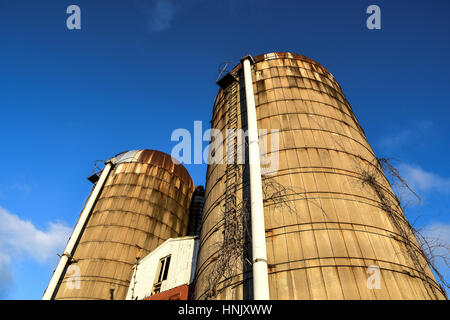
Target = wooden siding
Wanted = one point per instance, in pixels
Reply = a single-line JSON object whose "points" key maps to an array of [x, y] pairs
{"points": [[183, 253]]}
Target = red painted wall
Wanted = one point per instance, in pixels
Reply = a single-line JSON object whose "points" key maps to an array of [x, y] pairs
{"points": [[177, 293]]}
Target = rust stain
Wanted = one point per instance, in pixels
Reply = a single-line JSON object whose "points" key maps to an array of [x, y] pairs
{"points": [[164, 161]]}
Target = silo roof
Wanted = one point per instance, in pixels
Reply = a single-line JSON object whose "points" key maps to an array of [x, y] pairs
{"points": [[285, 55], [156, 158]]}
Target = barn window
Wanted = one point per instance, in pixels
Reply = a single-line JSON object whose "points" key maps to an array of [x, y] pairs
{"points": [[161, 275]]}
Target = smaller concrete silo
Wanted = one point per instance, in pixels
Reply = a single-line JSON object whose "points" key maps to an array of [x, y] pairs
{"points": [[141, 199]]}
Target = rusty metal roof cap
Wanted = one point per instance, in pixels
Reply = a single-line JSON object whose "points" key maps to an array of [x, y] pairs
{"points": [[284, 55], [157, 158]]}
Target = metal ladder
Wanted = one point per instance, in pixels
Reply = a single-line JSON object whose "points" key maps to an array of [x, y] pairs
{"points": [[232, 168]]}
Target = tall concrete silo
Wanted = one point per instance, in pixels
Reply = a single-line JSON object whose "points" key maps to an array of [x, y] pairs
{"points": [[141, 199], [333, 226]]}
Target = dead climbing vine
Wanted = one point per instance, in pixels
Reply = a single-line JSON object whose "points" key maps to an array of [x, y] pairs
{"points": [[233, 246], [422, 254], [422, 250]]}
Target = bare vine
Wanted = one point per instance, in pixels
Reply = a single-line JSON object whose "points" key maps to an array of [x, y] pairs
{"points": [[233, 245], [425, 252], [421, 255]]}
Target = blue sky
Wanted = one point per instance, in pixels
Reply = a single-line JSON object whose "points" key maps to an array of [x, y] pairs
{"points": [[139, 69]]}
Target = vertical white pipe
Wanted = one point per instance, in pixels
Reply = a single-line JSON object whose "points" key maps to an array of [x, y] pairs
{"points": [[48, 294], [260, 275]]}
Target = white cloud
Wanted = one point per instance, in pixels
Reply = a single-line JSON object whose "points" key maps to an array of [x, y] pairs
{"points": [[439, 231], [6, 278], [438, 237], [408, 135], [22, 187], [21, 239], [159, 13], [421, 180], [392, 141]]}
